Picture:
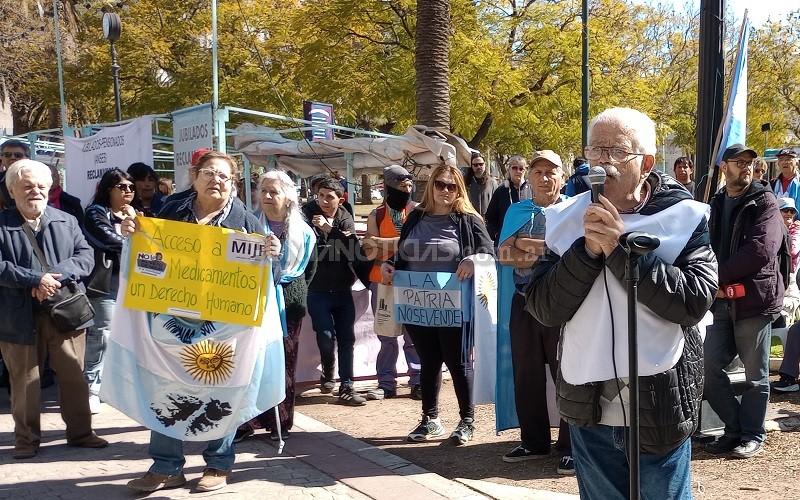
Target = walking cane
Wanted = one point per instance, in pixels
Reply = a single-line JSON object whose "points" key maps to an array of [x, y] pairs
{"points": [[281, 442], [635, 244]]}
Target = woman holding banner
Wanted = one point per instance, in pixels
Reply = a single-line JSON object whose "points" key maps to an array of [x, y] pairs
{"points": [[280, 213], [439, 236], [111, 205], [211, 203]]}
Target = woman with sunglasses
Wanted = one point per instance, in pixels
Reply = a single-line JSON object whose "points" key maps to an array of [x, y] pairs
{"points": [[111, 206], [438, 236], [513, 189]]}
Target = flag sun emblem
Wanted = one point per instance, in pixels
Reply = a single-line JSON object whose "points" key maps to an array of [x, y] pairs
{"points": [[207, 361]]}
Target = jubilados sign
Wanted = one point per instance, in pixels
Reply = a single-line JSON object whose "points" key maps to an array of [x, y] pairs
{"points": [[199, 272], [427, 299]]}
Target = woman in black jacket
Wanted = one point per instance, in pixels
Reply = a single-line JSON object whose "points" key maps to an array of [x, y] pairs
{"points": [[111, 205], [438, 236]]}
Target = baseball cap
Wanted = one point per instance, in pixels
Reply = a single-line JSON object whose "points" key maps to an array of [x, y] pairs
{"points": [[198, 153], [394, 175], [548, 155], [785, 203], [736, 150], [787, 152]]}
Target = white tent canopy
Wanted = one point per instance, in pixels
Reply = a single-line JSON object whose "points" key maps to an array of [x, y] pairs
{"points": [[420, 146]]}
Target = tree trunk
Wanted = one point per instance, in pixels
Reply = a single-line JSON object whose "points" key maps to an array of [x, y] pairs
{"points": [[431, 63]]}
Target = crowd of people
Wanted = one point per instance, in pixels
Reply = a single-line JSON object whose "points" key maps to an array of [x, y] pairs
{"points": [[736, 258]]}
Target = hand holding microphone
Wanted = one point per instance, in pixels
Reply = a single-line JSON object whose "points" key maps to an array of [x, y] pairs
{"points": [[602, 224]]}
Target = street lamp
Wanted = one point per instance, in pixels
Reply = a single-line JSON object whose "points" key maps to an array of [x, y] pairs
{"points": [[112, 27]]}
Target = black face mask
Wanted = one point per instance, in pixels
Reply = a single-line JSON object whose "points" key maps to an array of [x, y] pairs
{"points": [[396, 199]]}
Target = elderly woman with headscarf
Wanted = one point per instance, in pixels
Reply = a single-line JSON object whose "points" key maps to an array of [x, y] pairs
{"points": [[280, 213], [41, 250], [211, 203]]}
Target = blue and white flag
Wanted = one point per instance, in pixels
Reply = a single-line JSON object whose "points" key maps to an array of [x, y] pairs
{"points": [[188, 379], [734, 125]]}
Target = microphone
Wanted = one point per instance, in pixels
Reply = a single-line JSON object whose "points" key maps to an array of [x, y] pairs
{"points": [[597, 180], [639, 243]]}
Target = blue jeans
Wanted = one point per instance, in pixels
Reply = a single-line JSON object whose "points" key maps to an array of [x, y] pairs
{"points": [[96, 342], [386, 363], [750, 339], [168, 458], [333, 316], [601, 465]]}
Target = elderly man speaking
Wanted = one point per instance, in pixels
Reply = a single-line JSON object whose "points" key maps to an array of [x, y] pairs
{"points": [[27, 333], [582, 287]]}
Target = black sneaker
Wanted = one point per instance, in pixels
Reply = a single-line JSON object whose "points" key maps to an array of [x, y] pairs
{"points": [[326, 386], [242, 434], [723, 445], [349, 397], [416, 392], [566, 466], [785, 384], [379, 394], [428, 428], [521, 454], [463, 432], [747, 449]]}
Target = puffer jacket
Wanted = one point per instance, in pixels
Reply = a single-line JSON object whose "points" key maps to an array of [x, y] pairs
{"points": [[681, 292]]}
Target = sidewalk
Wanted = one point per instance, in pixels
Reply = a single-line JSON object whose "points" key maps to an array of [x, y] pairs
{"points": [[318, 462]]}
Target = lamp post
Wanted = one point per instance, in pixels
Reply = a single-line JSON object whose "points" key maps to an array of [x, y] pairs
{"points": [[585, 73], [112, 27], [766, 127]]}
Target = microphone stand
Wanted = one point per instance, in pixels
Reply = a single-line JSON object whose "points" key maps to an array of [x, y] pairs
{"points": [[635, 244]]}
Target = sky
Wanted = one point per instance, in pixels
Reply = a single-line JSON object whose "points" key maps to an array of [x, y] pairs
{"points": [[758, 10]]}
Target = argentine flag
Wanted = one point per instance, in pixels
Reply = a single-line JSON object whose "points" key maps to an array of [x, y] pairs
{"points": [[188, 379]]}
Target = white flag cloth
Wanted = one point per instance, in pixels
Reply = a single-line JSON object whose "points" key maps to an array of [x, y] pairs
{"points": [[188, 379], [484, 327]]}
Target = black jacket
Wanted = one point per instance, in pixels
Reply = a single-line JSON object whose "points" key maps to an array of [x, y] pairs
{"points": [[681, 293], [239, 218], [502, 198], [472, 235], [72, 205], [756, 238], [339, 257], [64, 247]]}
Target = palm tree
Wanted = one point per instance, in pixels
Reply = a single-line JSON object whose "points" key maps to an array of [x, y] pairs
{"points": [[431, 63]]}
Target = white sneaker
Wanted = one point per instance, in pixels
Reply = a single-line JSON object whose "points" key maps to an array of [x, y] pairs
{"points": [[94, 404]]}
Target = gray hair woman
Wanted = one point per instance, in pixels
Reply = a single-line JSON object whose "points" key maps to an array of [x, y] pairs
{"points": [[280, 213], [27, 333]]}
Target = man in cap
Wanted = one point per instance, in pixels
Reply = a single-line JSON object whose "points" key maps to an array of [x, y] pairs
{"points": [[747, 234], [10, 151], [788, 182], [533, 345], [380, 244]]}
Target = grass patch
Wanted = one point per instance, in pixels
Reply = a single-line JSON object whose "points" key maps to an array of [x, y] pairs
{"points": [[776, 348]]}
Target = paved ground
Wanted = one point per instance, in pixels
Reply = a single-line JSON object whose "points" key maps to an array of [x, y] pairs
{"points": [[317, 463]]}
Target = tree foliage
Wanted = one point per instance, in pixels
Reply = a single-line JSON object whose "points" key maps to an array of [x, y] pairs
{"points": [[514, 65]]}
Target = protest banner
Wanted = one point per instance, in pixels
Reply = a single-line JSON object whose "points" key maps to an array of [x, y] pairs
{"points": [[197, 271], [428, 299], [88, 158], [191, 130]]}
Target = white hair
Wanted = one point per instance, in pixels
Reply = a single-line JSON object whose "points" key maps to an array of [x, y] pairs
{"points": [[289, 189], [19, 167], [637, 126]]}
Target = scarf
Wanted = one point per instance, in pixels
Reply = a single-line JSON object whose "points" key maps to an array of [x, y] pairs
{"points": [[297, 241]]}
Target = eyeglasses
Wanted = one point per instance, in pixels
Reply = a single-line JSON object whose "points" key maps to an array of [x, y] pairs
{"points": [[594, 153], [445, 186], [125, 188], [758, 171], [17, 155], [517, 168], [741, 163], [211, 174]]}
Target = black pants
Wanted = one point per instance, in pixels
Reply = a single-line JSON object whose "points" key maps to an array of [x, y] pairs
{"points": [[436, 346], [532, 346]]}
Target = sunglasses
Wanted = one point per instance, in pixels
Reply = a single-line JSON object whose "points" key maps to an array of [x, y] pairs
{"points": [[758, 171], [125, 188], [789, 210], [445, 186], [518, 169], [408, 177], [478, 164], [9, 154]]}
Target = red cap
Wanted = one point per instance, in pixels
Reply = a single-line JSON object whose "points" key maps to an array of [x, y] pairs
{"points": [[198, 153]]}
